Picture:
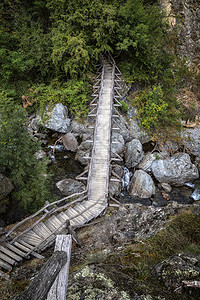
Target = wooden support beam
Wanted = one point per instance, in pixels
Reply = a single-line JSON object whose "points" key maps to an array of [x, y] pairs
{"points": [[115, 180], [115, 174], [41, 284], [113, 205], [113, 199], [116, 142], [89, 141], [82, 178], [83, 173], [118, 93], [115, 128], [59, 287]]}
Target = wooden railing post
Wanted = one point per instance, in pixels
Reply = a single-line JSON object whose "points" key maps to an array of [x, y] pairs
{"points": [[59, 287]]}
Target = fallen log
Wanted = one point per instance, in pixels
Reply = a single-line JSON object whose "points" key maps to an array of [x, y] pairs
{"points": [[41, 284]]}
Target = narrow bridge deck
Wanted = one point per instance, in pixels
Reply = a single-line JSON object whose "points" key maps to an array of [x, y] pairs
{"points": [[100, 161], [91, 203]]}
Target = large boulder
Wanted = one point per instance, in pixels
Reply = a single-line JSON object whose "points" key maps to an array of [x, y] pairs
{"points": [[115, 188], [70, 142], [84, 151], [70, 186], [78, 128], [117, 143], [175, 170], [133, 153], [147, 161], [137, 133], [141, 185], [59, 120], [35, 122], [124, 127], [191, 139], [6, 186]]}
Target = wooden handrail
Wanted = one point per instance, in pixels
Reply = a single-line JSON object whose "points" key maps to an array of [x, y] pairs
{"points": [[41, 210]]}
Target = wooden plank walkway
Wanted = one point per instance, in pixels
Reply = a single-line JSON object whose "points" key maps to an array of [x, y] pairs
{"points": [[90, 204]]}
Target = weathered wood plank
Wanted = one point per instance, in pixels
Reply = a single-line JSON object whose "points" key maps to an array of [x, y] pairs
{"points": [[59, 287], [7, 259], [15, 249], [10, 253], [5, 265], [41, 284]]}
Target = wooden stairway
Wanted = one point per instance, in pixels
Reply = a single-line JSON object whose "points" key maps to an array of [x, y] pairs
{"points": [[37, 237]]}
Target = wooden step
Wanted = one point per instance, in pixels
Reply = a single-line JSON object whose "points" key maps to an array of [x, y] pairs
{"points": [[22, 247], [15, 249], [53, 223], [31, 238], [10, 253], [42, 230], [27, 248], [5, 266], [62, 217], [7, 259], [71, 213]]}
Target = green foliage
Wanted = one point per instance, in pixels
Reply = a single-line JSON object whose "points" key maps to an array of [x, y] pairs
{"points": [[152, 109], [182, 234], [83, 29], [17, 160], [124, 106], [74, 94]]}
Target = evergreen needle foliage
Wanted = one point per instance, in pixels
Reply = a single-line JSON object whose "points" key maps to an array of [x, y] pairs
{"points": [[17, 159]]}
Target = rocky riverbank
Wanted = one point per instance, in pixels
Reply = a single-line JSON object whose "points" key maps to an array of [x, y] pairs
{"points": [[133, 252]]}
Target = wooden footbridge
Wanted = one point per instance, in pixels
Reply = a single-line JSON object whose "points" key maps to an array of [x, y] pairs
{"points": [[30, 237]]}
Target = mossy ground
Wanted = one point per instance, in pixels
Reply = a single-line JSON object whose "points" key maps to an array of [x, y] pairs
{"points": [[128, 268]]}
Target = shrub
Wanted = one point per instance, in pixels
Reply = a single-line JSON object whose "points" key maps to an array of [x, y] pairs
{"points": [[152, 108], [17, 159], [124, 106]]}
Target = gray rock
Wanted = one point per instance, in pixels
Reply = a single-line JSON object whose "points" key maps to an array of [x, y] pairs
{"points": [[176, 170], [6, 186], [117, 147], [40, 154], [137, 133], [124, 127], [93, 282], [191, 139], [141, 185], [70, 142], [118, 170], [168, 147], [59, 120], [175, 269], [134, 153], [40, 135], [70, 186], [131, 223], [167, 187], [115, 188], [79, 128], [147, 161], [36, 123], [83, 151]]}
